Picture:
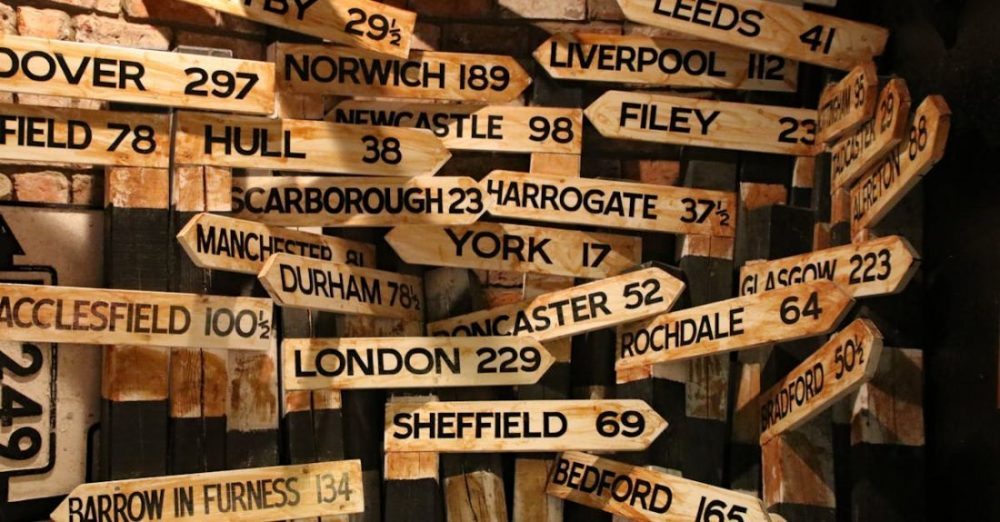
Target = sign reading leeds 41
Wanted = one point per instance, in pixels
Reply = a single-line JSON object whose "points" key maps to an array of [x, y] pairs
{"points": [[471, 427], [277, 493]]}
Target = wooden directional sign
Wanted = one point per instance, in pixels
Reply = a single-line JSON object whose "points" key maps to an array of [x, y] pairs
{"points": [[300, 282], [877, 267], [766, 26], [680, 120], [95, 316], [742, 323], [223, 140], [878, 190], [324, 69], [120, 74], [276, 493], [413, 362], [493, 128], [862, 149], [845, 105], [357, 202], [233, 245], [520, 426], [644, 494], [612, 204], [358, 23], [664, 61], [580, 309], [517, 248], [839, 368]]}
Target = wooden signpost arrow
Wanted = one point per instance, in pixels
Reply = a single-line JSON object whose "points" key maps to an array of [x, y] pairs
{"points": [[766, 26], [129, 317], [300, 282], [359, 23], [257, 494], [413, 362], [839, 368], [742, 323], [643, 494], [675, 62], [845, 105], [517, 248], [493, 128], [220, 243], [222, 140], [120, 74], [611, 204], [580, 309], [295, 201], [341, 71], [521, 426], [861, 150], [878, 267]]}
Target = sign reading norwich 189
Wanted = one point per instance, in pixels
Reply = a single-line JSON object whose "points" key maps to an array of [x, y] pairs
{"points": [[848, 103], [860, 150], [413, 362], [489, 426]]}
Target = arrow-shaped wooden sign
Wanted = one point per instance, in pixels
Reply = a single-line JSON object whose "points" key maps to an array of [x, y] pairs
{"points": [[341, 71], [31, 313], [796, 312], [580, 309], [878, 267], [845, 105], [680, 120], [413, 362], [766, 26], [119, 74], [675, 62], [220, 243], [878, 190], [862, 149], [223, 140], [493, 128], [299, 201], [260, 494], [517, 248], [520, 426], [359, 23], [300, 282], [839, 368], [612, 204], [643, 494]]}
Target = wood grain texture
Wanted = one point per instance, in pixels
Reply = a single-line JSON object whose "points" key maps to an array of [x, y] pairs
{"points": [[845, 105], [859, 151]]}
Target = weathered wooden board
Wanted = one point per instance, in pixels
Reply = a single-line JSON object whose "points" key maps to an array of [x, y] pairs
{"points": [[847, 361], [521, 426], [517, 248], [681, 120], [639, 493], [275, 493], [765, 26], [491, 128], [120, 74], [877, 267], [300, 282], [845, 105], [306, 146], [580, 309], [357, 202], [358, 23], [413, 362], [612, 204], [324, 69], [787, 314], [859, 151], [675, 62]]}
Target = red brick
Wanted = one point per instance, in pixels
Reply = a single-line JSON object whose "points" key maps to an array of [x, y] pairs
{"points": [[87, 191], [102, 30], [8, 19], [515, 40], [244, 49], [453, 8], [550, 10], [42, 187], [179, 12], [44, 23], [604, 10], [655, 172], [101, 6]]}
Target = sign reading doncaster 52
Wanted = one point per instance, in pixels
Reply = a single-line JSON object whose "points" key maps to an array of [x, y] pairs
{"points": [[120, 74], [643, 494], [663, 61], [414, 362], [848, 103], [862, 149], [490, 426], [311, 490], [765, 26]]}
